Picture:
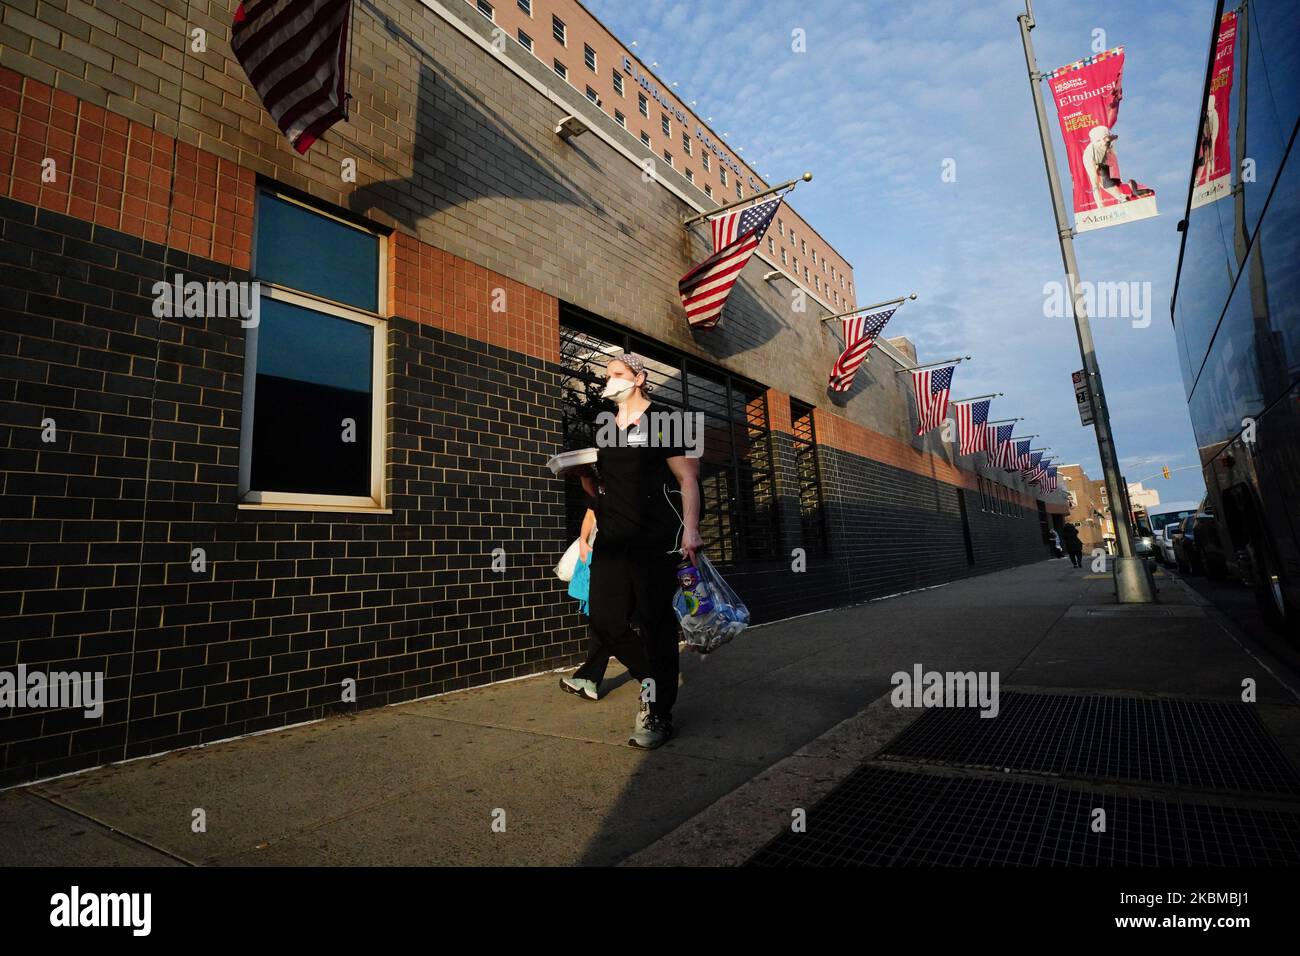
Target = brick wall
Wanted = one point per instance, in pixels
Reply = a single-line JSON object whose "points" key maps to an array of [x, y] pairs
{"points": [[98, 526]]}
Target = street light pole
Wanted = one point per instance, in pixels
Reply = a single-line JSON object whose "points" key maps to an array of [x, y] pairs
{"points": [[1132, 586]]}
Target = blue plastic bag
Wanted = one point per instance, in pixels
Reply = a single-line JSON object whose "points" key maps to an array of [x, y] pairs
{"points": [[580, 583]]}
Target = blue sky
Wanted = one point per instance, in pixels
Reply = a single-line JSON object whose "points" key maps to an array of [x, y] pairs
{"points": [[884, 94]]}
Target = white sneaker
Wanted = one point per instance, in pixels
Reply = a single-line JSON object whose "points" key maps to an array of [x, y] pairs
{"points": [[586, 689]]}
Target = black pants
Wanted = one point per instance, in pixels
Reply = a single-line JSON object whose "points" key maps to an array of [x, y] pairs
{"points": [[1076, 558], [598, 655], [631, 607]]}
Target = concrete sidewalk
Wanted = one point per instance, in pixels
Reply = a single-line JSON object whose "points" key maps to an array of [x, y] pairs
{"points": [[422, 783]]}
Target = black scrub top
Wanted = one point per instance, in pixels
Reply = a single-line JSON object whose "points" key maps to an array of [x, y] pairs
{"points": [[641, 492]]}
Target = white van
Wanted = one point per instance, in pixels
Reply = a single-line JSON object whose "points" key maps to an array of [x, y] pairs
{"points": [[1164, 520]]}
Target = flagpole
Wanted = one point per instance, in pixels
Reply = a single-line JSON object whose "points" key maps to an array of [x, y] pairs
{"points": [[806, 177], [963, 401], [1004, 421], [865, 308], [917, 368], [347, 69], [1132, 586]]}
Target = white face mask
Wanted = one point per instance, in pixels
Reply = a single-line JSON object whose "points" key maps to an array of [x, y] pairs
{"points": [[618, 390]]}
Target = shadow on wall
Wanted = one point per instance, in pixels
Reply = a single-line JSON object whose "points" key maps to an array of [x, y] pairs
{"points": [[463, 151]]}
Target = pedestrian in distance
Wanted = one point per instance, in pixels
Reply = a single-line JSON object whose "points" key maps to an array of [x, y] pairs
{"points": [[1073, 544]]}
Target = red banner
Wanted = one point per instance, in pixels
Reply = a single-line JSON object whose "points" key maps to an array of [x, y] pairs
{"points": [[1087, 95], [1214, 152]]}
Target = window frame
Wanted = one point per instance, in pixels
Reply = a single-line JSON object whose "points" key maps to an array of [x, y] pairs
{"points": [[594, 64], [376, 503], [559, 31]]}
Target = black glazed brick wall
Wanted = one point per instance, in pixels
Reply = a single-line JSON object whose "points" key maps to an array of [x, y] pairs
{"points": [[97, 528]]}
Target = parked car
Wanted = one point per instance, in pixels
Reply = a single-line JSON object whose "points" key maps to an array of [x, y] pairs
{"points": [[1202, 548], [1182, 557], [1144, 542], [1172, 513], [1165, 543]]}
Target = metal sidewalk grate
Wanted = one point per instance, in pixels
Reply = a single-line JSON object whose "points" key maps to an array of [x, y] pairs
{"points": [[1200, 744], [1139, 832], [839, 833], [880, 816], [980, 823]]}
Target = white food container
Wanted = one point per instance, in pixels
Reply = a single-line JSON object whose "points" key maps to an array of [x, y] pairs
{"points": [[566, 461]]}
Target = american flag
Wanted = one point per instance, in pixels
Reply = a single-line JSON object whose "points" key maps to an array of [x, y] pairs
{"points": [[1040, 472], [971, 430], [705, 288], [931, 386], [1051, 478], [294, 54], [999, 436], [1020, 456], [1031, 465], [860, 333]]}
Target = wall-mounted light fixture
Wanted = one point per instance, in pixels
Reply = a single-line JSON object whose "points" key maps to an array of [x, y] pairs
{"points": [[570, 126]]}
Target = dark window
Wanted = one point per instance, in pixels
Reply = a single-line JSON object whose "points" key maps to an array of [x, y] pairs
{"points": [[302, 250], [525, 41], [811, 513], [618, 82], [557, 30], [589, 57], [526, 6], [311, 375]]}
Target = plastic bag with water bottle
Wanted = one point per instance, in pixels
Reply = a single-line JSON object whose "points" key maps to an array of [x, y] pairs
{"points": [[709, 611]]}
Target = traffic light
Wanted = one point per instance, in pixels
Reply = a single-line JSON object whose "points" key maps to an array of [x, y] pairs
{"points": [[1166, 471]]}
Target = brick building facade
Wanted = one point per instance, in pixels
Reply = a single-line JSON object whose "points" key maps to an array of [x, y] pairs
{"points": [[498, 263]]}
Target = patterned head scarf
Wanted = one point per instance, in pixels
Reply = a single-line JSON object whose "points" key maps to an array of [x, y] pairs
{"points": [[637, 364]]}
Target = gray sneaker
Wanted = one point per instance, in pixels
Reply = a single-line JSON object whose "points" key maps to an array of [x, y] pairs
{"points": [[586, 689], [650, 730]]}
